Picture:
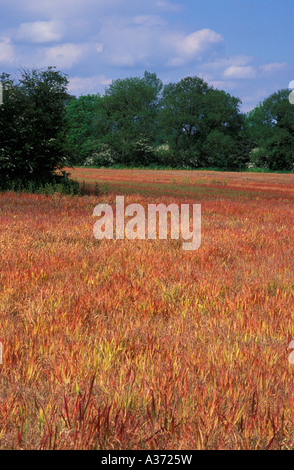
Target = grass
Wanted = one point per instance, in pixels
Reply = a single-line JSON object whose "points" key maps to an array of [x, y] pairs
{"points": [[138, 344], [157, 167]]}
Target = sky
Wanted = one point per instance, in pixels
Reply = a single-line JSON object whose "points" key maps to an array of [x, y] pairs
{"points": [[244, 47]]}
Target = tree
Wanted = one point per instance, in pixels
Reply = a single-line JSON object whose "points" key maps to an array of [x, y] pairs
{"points": [[127, 118], [271, 127], [82, 138], [182, 109], [195, 117], [224, 126], [33, 125]]}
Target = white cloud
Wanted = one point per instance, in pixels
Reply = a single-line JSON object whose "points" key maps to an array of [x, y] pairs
{"points": [[274, 67], [240, 72], [225, 62], [222, 72], [83, 85], [7, 53], [147, 41], [129, 42], [258, 95], [223, 84], [41, 31], [194, 46], [198, 42], [219, 84], [64, 56]]}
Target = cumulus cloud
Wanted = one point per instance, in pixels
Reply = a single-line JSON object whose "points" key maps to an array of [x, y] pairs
{"points": [[148, 41], [41, 31], [219, 84], [240, 72], [131, 41], [257, 95], [196, 44], [225, 62], [64, 56], [7, 53], [82, 85], [226, 72], [273, 67]]}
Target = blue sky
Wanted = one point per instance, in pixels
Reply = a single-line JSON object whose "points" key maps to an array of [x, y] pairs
{"points": [[244, 47]]}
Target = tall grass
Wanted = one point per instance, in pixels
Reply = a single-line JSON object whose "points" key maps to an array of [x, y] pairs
{"points": [[132, 344]]}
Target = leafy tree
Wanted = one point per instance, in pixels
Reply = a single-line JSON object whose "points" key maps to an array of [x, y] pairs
{"points": [[226, 143], [33, 125], [219, 149], [271, 127], [126, 119], [82, 139], [201, 122], [182, 109]]}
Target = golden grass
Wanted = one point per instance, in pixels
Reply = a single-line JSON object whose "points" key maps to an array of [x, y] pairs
{"points": [[138, 344]]}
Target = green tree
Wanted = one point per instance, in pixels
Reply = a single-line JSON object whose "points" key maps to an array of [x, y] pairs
{"points": [[182, 109], [271, 127], [194, 117], [82, 138], [33, 125], [126, 120], [226, 141]]}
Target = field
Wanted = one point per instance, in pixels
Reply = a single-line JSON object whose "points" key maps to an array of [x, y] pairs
{"points": [[133, 344]]}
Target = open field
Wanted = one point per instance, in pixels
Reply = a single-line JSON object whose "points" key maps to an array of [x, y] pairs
{"points": [[121, 344], [187, 183]]}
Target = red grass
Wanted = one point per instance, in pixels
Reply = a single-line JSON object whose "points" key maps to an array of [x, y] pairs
{"points": [[138, 344]]}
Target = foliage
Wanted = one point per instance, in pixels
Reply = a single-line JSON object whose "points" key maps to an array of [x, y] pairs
{"points": [[195, 117], [271, 127], [32, 125], [126, 118], [219, 149], [137, 123], [81, 141], [60, 186], [104, 156]]}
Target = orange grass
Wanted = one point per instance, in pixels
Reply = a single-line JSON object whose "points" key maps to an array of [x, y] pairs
{"points": [[138, 344]]}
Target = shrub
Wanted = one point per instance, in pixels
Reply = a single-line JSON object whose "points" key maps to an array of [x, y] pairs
{"points": [[105, 157]]}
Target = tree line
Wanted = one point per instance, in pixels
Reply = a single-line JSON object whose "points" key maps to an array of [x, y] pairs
{"points": [[137, 122]]}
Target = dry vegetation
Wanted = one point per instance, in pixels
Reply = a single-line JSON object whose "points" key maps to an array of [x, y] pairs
{"points": [[139, 344]]}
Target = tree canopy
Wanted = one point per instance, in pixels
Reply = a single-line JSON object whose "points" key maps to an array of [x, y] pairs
{"points": [[201, 123], [81, 138], [138, 122], [127, 117], [271, 127], [33, 125]]}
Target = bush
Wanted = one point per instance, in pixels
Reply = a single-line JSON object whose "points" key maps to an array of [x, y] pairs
{"points": [[70, 187], [105, 157], [33, 126], [259, 158], [142, 152]]}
